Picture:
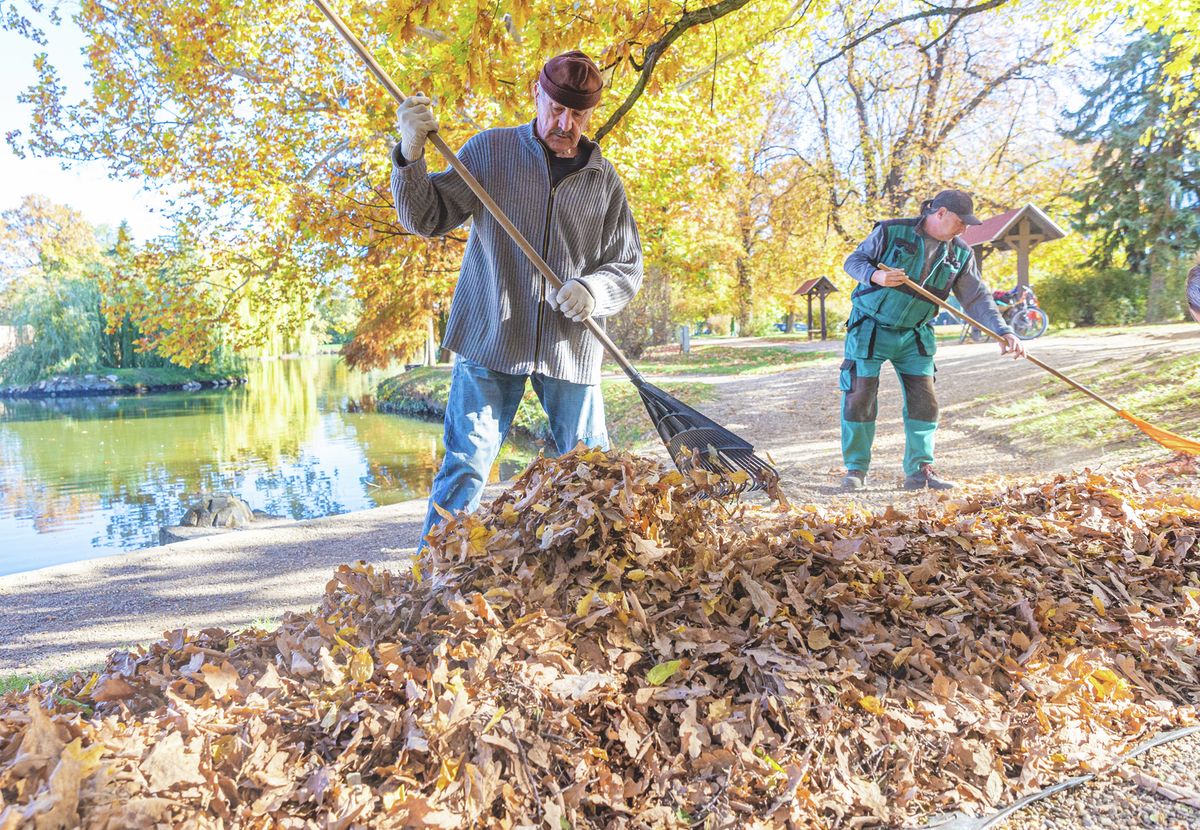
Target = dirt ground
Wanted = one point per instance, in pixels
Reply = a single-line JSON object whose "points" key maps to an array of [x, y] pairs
{"points": [[71, 616]]}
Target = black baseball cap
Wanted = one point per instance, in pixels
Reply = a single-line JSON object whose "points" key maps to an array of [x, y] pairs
{"points": [[958, 202]]}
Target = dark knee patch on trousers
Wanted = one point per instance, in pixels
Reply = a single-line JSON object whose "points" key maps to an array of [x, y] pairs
{"points": [[862, 401], [919, 397]]}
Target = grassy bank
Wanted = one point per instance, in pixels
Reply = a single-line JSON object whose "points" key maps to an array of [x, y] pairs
{"points": [[423, 393], [1161, 389], [162, 376], [723, 359], [118, 381]]}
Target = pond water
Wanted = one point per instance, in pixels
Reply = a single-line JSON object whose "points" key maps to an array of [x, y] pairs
{"points": [[87, 477]]}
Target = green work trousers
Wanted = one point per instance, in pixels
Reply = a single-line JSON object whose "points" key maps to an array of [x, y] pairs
{"points": [[868, 345]]}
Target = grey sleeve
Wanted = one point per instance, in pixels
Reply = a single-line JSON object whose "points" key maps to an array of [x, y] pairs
{"points": [[431, 205], [864, 260], [619, 276], [976, 298]]}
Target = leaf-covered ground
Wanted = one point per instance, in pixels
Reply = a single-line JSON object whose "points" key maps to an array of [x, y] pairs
{"points": [[599, 649]]}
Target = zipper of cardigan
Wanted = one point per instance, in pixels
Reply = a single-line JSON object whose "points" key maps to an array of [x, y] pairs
{"points": [[537, 333]]}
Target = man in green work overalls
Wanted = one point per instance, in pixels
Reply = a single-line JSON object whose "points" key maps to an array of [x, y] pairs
{"points": [[891, 322]]}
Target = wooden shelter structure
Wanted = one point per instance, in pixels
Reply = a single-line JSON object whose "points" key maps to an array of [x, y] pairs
{"points": [[1020, 229], [820, 288]]}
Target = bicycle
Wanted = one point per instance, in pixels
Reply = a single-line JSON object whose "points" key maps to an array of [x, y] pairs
{"points": [[1019, 308]]}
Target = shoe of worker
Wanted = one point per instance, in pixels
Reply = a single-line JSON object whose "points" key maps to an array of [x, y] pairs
{"points": [[926, 478], [854, 480]]}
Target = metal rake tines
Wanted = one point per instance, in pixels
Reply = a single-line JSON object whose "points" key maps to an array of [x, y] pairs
{"points": [[696, 441], [705, 448]]}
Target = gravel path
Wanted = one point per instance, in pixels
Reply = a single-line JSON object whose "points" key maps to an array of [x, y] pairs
{"points": [[1123, 799], [71, 616]]}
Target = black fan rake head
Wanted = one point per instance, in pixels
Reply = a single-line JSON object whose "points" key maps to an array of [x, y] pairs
{"points": [[696, 441]]}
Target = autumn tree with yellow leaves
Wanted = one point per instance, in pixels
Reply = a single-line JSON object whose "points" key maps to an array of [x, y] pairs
{"points": [[273, 141]]}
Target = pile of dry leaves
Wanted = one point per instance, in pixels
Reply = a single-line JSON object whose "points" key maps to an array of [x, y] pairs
{"points": [[596, 649]]}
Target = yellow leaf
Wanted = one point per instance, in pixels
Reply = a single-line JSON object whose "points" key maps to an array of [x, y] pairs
{"points": [[636, 575], [88, 758], [581, 607], [495, 719], [509, 515], [479, 538], [872, 704], [362, 667], [1099, 603], [1109, 685], [416, 570], [447, 773]]}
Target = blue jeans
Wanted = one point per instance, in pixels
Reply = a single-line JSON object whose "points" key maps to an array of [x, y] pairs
{"points": [[478, 416]]}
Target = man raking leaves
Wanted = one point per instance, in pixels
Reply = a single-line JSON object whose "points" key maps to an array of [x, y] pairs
{"points": [[507, 326], [890, 321]]}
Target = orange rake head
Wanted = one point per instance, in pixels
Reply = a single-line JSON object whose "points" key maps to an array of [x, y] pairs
{"points": [[1168, 439]]}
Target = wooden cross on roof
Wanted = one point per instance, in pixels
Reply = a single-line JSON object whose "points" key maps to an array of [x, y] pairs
{"points": [[1020, 230]]}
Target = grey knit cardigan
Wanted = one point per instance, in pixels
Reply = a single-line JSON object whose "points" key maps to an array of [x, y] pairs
{"points": [[583, 228]]}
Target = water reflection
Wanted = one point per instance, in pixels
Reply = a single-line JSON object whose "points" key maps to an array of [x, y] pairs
{"points": [[84, 477]]}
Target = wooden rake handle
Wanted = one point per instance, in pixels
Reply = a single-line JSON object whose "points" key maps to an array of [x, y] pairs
{"points": [[540, 264], [963, 315]]}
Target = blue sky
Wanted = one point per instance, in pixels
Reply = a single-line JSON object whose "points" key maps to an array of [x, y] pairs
{"points": [[85, 187]]}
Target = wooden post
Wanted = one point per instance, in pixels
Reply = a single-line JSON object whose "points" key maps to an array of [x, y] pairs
{"points": [[685, 338], [824, 336], [810, 320], [1024, 241]]}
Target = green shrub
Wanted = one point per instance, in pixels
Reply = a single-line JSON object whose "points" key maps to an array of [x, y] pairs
{"points": [[761, 326], [1092, 297], [1120, 312]]}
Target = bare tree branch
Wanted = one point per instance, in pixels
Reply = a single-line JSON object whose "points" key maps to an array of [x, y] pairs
{"points": [[656, 50], [782, 24], [933, 11], [991, 86]]}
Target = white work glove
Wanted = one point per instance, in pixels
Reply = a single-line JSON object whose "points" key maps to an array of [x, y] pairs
{"points": [[415, 119], [574, 301]]}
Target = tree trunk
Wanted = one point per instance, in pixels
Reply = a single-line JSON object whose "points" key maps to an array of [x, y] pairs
{"points": [[745, 295], [1160, 306]]}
